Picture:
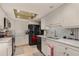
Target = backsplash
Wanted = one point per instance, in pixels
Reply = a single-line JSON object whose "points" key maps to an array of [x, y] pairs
{"points": [[76, 33], [58, 32], [72, 33]]}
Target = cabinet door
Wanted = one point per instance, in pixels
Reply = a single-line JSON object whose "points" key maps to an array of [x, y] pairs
{"points": [[9, 48], [42, 23], [59, 49], [44, 46], [50, 47], [3, 49], [72, 52]]}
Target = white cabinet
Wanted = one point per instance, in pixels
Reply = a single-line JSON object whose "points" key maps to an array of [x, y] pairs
{"points": [[43, 24], [44, 46], [3, 49], [47, 45], [72, 51], [61, 49], [58, 49], [9, 47], [6, 48]]}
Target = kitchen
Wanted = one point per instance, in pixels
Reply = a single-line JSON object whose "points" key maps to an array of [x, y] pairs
{"points": [[52, 30]]}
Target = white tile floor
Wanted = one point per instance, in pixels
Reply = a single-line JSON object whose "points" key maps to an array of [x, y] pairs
{"points": [[26, 50]]}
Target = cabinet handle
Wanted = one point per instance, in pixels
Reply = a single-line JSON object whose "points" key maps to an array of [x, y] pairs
{"points": [[67, 54], [66, 48], [64, 53]]}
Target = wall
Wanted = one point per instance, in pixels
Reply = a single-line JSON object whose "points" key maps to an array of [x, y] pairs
{"points": [[18, 27], [67, 12]]}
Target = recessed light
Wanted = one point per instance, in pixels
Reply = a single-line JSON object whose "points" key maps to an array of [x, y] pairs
{"points": [[18, 10]]}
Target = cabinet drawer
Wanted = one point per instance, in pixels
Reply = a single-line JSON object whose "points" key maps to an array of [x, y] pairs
{"points": [[73, 48], [3, 49], [59, 50], [72, 52]]}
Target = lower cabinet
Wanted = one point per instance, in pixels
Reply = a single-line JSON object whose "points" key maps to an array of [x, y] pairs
{"points": [[72, 52], [44, 46], [61, 49], [58, 49], [3, 49], [9, 48], [6, 48]]}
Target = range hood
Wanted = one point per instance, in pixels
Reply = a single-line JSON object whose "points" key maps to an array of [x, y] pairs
{"points": [[24, 15]]}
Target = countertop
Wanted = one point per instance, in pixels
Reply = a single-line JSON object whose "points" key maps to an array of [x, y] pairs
{"points": [[5, 39], [70, 42]]}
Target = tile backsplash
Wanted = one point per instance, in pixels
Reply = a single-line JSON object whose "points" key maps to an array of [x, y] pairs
{"points": [[61, 32], [76, 33]]}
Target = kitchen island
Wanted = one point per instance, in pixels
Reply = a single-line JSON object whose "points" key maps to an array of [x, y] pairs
{"points": [[60, 47]]}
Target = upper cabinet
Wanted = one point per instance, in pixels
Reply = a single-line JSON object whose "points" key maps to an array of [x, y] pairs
{"points": [[66, 16], [44, 24], [2, 15], [70, 17]]}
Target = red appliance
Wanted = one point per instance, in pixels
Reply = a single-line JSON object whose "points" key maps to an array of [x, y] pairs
{"points": [[34, 38], [34, 30]]}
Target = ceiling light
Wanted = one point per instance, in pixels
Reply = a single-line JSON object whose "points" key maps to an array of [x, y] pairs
{"points": [[18, 10], [24, 15]]}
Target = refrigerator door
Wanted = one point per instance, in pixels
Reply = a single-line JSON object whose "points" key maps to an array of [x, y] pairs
{"points": [[33, 31]]}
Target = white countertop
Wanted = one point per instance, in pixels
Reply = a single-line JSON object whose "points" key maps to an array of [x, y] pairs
{"points": [[70, 42], [5, 39]]}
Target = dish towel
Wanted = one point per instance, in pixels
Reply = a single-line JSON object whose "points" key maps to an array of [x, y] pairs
{"points": [[51, 48]]}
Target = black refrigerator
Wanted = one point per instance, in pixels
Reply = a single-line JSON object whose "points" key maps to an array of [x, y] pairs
{"points": [[34, 30]]}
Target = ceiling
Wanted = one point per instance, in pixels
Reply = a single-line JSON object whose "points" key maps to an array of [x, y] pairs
{"points": [[41, 9]]}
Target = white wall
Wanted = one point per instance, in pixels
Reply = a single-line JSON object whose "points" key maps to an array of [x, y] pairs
{"points": [[18, 27]]}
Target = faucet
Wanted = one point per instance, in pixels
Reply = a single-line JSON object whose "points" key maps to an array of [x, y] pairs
{"points": [[55, 33]]}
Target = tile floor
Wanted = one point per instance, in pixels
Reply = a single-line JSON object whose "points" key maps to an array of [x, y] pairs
{"points": [[26, 50]]}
